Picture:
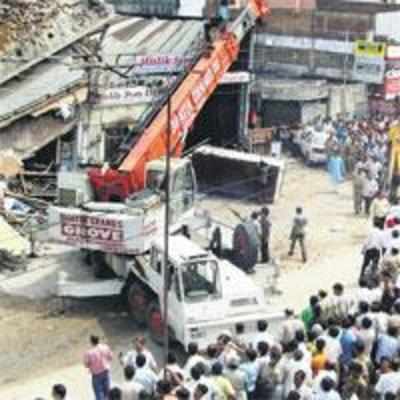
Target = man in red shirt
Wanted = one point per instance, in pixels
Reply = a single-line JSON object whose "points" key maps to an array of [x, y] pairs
{"points": [[97, 360]]}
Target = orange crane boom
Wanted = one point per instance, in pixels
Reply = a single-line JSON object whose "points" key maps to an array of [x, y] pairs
{"points": [[186, 103]]}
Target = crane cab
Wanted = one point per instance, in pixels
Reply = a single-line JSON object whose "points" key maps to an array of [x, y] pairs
{"points": [[183, 184]]}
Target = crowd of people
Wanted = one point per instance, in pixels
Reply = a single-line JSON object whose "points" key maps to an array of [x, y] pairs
{"points": [[344, 345]]}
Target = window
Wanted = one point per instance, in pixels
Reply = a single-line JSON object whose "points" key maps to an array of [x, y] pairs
{"points": [[156, 260], [177, 287], [155, 180], [201, 279]]}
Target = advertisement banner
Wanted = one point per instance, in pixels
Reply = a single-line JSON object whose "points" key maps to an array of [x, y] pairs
{"points": [[364, 48], [305, 43], [392, 79], [126, 96], [235, 77], [369, 69], [393, 51], [120, 234], [158, 64]]}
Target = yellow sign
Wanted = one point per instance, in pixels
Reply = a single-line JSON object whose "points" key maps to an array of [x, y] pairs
{"points": [[394, 135], [363, 48]]}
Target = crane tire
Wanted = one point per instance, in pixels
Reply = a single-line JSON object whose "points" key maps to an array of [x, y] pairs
{"points": [[245, 246]]}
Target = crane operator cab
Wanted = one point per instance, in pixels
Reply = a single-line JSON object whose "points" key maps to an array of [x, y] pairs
{"points": [[205, 294], [182, 184]]}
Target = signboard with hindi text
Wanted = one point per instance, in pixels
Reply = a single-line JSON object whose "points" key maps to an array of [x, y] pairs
{"points": [[125, 96]]}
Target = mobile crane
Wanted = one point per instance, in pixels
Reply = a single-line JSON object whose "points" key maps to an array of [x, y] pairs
{"points": [[123, 235]]}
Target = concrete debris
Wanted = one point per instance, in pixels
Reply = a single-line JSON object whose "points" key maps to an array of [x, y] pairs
{"points": [[31, 30], [10, 262], [14, 248], [10, 164], [16, 207]]}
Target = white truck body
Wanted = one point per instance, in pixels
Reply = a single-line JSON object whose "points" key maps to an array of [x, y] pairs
{"points": [[207, 296], [121, 228]]}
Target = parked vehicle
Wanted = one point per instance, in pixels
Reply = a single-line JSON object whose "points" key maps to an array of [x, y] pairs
{"points": [[311, 143]]}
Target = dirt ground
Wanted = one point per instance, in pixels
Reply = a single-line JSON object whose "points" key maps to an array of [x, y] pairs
{"points": [[35, 338]]}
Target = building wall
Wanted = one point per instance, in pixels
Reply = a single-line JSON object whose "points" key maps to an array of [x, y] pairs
{"points": [[292, 4], [322, 24]]}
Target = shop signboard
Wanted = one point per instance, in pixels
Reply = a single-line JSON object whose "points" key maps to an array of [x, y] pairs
{"points": [[369, 61]]}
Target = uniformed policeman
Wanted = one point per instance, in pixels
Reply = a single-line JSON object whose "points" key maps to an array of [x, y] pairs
{"points": [[298, 234]]}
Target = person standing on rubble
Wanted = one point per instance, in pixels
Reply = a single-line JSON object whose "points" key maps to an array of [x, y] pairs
{"points": [[298, 234], [265, 225]]}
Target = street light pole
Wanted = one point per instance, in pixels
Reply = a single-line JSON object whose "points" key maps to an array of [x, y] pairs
{"points": [[166, 236]]}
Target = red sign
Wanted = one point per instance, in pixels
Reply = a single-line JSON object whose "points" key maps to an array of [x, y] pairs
{"points": [[392, 79], [92, 229]]}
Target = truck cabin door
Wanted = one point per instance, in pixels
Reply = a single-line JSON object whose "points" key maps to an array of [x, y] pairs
{"points": [[176, 313], [175, 299], [183, 187]]}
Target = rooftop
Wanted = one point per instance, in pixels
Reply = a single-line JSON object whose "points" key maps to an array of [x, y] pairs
{"points": [[50, 79], [357, 7], [32, 30]]}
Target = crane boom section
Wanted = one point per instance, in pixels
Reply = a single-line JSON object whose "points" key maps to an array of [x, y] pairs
{"points": [[185, 105]]}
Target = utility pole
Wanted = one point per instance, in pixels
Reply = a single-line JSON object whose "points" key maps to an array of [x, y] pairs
{"points": [[166, 236], [346, 59]]}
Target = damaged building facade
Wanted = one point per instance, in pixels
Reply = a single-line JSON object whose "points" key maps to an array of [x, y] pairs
{"points": [[40, 41], [347, 44]]}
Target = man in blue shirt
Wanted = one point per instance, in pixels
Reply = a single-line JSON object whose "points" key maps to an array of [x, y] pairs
{"points": [[387, 345], [251, 368], [348, 341]]}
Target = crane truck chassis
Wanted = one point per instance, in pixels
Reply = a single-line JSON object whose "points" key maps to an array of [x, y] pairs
{"points": [[206, 294]]}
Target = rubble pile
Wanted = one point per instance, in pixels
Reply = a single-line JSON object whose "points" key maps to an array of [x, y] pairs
{"points": [[11, 262], [35, 29]]}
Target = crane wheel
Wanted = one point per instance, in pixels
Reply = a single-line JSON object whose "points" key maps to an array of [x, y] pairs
{"points": [[138, 302], [245, 247]]}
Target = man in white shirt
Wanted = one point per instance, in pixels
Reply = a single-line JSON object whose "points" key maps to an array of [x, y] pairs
{"points": [[329, 372], [370, 189], [291, 367], [301, 387], [333, 346], [371, 250], [380, 208], [194, 358], [144, 375], [263, 335], [139, 347], [367, 334], [389, 381], [327, 391], [130, 389], [289, 327]]}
